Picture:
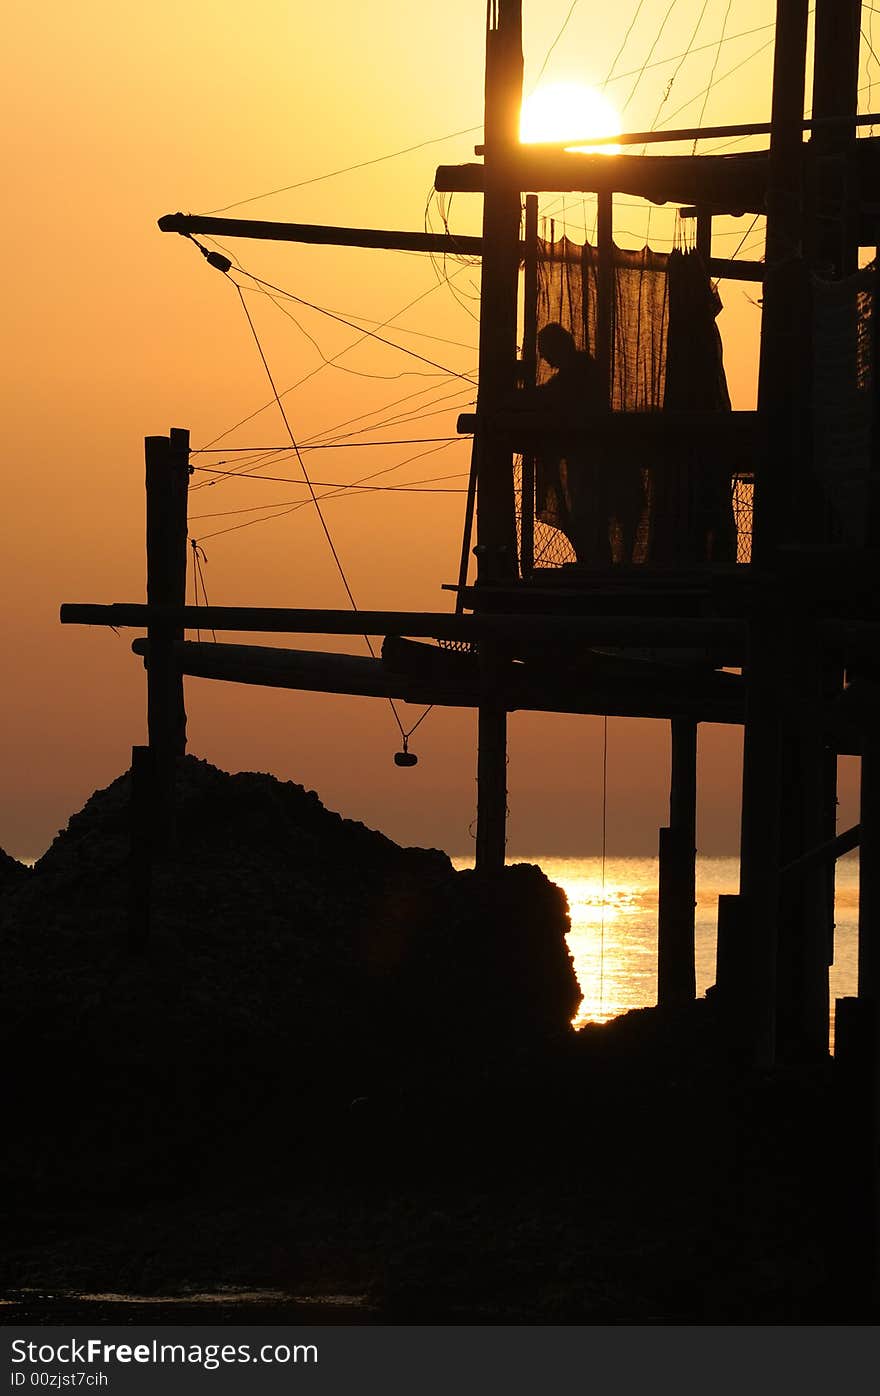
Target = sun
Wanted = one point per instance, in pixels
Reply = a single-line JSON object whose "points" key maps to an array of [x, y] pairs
{"points": [[564, 111]]}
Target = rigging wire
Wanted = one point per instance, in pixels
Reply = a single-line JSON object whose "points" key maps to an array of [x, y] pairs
{"points": [[348, 169], [572, 8], [632, 23], [712, 74], [314, 497], [315, 371], [349, 490]]}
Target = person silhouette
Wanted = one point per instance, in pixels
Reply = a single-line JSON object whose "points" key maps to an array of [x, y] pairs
{"points": [[572, 489]]}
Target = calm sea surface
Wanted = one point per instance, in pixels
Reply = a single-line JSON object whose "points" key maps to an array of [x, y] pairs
{"points": [[613, 936]]}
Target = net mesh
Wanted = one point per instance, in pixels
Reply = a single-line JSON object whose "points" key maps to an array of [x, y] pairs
{"points": [[661, 506]]}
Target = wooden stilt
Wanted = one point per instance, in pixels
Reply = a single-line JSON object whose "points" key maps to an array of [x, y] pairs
{"points": [[529, 378], [676, 972], [142, 803], [496, 522], [806, 911], [491, 766], [167, 481], [754, 976]]}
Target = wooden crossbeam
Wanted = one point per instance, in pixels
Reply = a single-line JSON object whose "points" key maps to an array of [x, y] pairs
{"points": [[729, 184], [323, 234], [319, 233], [675, 632], [710, 697]]}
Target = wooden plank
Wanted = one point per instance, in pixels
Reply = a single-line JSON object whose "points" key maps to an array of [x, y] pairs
{"points": [[167, 478], [676, 967], [142, 828], [690, 133], [496, 521], [526, 687], [529, 379], [320, 234], [730, 184], [652, 630]]}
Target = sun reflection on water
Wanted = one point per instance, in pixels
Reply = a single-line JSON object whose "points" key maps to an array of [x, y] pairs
{"points": [[613, 935], [612, 940]]}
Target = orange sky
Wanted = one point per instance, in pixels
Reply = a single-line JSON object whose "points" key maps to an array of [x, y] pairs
{"points": [[117, 114]]}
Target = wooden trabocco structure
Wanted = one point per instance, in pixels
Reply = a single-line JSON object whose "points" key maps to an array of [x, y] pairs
{"points": [[639, 551]]}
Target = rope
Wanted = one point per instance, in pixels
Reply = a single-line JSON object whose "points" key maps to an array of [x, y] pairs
{"points": [[336, 558], [199, 555], [362, 165], [571, 11], [712, 74], [314, 371]]}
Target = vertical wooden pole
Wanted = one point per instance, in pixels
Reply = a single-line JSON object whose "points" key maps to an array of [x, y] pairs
{"points": [[782, 412], [805, 908], [676, 969], [605, 295], [529, 376], [142, 813], [491, 765], [868, 1072], [167, 483], [835, 93], [755, 975], [496, 517], [496, 521], [704, 235]]}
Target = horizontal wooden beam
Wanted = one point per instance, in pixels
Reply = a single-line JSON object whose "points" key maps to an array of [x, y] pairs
{"points": [[655, 631], [326, 235], [734, 184], [323, 234], [717, 698], [728, 437], [698, 133]]}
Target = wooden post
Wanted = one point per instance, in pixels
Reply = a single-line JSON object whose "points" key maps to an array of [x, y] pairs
{"points": [[491, 765], [755, 975], [529, 377], [704, 235], [605, 296], [835, 94], [782, 414], [167, 482], [496, 521], [676, 970], [142, 816], [806, 915]]}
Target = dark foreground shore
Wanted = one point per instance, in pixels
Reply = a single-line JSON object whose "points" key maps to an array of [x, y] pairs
{"points": [[339, 1085]]}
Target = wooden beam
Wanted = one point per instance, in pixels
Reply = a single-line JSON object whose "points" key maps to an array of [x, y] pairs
{"points": [[529, 380], [326, 235], [321, 234], [691, 133], [717, 698], [654, 631], [730, 184], [827, 852], [676, 968], [496, 519]]}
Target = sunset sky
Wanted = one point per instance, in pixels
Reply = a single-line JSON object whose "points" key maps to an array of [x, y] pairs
{"points": [[116, 114]]}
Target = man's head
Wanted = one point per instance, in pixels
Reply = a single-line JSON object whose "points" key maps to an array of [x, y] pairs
{"points": [[556, 345]]}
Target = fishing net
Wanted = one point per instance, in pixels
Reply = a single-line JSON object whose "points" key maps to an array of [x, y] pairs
{"points": [[662, 505]]}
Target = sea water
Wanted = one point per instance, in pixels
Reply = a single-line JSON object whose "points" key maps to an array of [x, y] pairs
{"points": [[613, 937]]}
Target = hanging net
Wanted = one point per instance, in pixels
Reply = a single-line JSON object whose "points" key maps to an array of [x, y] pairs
{"points": [[667, 506]]}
